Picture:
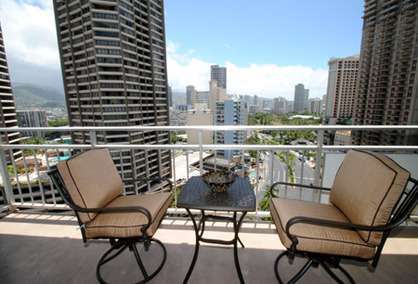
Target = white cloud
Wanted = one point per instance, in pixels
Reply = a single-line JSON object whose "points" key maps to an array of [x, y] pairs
{"points": [[29, 31], [267, 80]]}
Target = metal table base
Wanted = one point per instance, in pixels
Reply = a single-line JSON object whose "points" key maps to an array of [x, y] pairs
{"points": [[199, 230]]}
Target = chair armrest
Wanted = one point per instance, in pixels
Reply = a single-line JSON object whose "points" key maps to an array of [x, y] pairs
{"points": [[340, 225], [297, 185], [125, 209]]}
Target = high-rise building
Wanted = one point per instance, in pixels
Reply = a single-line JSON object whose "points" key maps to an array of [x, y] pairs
{"points": [[216, 94], [170, 96], [32, 118], [315, 105], [280, 105], [7, 103], [199, 117], [113, 60], [388, 77], [219, 74], [201, 100], [306, 102], [190, 93], [231, 112], [301, 98], [342, 87]]}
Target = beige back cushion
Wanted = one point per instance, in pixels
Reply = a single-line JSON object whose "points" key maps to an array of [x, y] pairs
{"points": [[366, 189], [91, 179]]}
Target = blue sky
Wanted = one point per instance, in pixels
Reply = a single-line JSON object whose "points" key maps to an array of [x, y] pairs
{"points": [[268, 46], [302, 32]]}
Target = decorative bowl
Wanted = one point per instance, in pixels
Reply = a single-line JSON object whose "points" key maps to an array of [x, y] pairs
{"points": [[218, 181]]}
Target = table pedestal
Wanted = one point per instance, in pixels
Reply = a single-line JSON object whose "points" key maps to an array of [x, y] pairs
{"points": [[199, 230]]}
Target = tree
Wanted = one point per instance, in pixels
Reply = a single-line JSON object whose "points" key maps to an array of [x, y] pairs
{"points": [[58, 122]]}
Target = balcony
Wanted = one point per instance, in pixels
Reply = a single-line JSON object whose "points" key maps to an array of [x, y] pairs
{"points": [[42, 241]]}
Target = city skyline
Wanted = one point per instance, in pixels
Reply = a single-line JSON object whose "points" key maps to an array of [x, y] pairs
{"points": [[188, 64]]}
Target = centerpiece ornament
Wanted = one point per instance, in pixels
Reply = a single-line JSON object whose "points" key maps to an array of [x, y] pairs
{"points": [[218, 181]]}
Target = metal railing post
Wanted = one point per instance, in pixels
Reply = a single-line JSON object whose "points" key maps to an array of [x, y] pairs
{"points": [[318, 163], [271, 167], [257, 191], [7, 185], [318, 157], [187, 165], [93, 138], [174, 177], [200, 138]]}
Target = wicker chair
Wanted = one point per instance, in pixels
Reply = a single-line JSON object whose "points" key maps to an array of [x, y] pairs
{"points": [[369, 198], [90, 184]]}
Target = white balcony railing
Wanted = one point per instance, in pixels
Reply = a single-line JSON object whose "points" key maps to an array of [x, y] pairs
{"points": [[26, 184]]}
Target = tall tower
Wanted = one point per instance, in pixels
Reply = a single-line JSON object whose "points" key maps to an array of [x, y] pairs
{"points": [[388, 77], [342, 84], [219, 74], [7, 104], [113, 60], [190, 94], [301, 98]]}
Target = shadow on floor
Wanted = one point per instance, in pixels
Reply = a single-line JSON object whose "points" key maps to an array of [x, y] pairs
{"points": [[26, 259]]}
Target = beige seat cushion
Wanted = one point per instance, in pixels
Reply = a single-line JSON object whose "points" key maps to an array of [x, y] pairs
{"points": [[123, 225], [366, 189], [91, 179], [317, 239]]}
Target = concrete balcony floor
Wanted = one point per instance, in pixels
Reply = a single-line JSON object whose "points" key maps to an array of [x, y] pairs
{"points": [[47, 248]]}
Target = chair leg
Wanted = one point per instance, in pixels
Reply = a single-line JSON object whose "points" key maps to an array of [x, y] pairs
{"points": [[133, 248], [298, 275], [301, 272], [313, 261], [105, 259], [345, 272], [334, 276], [120, 246], [276, 266]]}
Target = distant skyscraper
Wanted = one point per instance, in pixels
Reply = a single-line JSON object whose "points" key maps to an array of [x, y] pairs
{"points": [[388, 77], [113, 60], [216, 94], [7, 103], [170, 96], [306, 102], [342, 86], [231, 112], [301, 98], [190, 93], [280, 105], [219, 74], [315, 106]]}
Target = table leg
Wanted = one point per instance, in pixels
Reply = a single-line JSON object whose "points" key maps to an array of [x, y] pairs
{"points": [[237, 226], [196, 248], [239, 240]]}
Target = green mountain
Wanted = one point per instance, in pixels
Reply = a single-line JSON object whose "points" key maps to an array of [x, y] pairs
{"points": [[29, 95]]}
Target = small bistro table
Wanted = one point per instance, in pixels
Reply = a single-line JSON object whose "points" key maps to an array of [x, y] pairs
{"points": [[239, 197]]}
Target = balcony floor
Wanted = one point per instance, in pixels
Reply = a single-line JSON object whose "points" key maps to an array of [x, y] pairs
{"points": [[46, 248]]}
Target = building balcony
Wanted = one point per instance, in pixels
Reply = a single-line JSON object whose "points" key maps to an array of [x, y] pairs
{"points": [[47, 248], [40, 236]]}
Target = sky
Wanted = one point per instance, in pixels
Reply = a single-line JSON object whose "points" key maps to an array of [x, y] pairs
{"points": [[267, 46]]}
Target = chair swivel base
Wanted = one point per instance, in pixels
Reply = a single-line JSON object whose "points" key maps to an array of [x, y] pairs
{"points": [[314, 260], [120, 245]]}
